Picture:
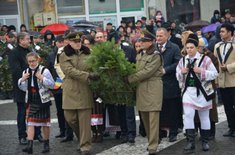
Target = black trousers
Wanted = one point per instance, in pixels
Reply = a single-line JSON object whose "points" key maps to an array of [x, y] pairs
{"points": [[228, 98], [63, 125], [169, 116]]}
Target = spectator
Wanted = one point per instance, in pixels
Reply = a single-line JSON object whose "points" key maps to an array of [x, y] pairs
{"points": [[23, 28], [216, 17]]}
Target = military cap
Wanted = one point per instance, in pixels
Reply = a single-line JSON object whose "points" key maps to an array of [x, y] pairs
{"points": [[74, 36], [147, 36]]}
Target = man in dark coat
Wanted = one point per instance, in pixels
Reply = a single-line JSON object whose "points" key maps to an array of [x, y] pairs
{"points": [[18, 63], [172, 37], [171, 91]]}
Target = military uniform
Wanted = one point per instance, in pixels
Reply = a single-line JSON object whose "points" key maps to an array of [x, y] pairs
{"points": [[149, 92]]}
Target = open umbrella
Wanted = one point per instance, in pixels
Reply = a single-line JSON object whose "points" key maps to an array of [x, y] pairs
{"points": [[56, 28], [196, 25], [210, 28]]}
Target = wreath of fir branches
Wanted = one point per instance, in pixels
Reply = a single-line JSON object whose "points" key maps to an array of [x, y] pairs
{"points": [[109, 61], [5, 73]]}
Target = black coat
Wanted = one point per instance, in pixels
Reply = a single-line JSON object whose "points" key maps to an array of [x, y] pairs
{"points": [[18, 63], [50, 65], [130, 53], [176, 41], [171, 57]]}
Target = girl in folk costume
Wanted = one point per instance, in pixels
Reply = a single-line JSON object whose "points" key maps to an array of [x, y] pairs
{"points": [[36, 82], [194, 73]]}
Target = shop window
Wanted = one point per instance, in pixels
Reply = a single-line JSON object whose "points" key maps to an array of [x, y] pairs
{"points": [[183, 11], [125, 5], [70, 7], [101, 6], [101, 21], [8, 7]]}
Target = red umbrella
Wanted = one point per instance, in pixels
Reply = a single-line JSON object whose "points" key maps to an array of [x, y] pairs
{"points": [[56, 28]]}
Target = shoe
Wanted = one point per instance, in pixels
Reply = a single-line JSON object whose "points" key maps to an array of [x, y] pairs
{"points": [[46, 147], [99, 138], [131, 140], [205, 134], [67, 139], [124, 139], [29, 148], [229, 133], [152, 152], [190, 146], [118, 135], [23, 141], [172, 138], [61, 135], [86, 152]]}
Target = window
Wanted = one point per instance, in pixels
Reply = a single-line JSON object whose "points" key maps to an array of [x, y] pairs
{"points": [[99, 7], [70, 7], [125, 5], [8, 7], [183, 11]]}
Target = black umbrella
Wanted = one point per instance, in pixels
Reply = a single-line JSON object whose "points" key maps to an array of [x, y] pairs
{"points": [[196, 25]]}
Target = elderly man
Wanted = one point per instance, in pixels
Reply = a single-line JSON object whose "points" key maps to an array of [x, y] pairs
{"points": [[149, 90]]}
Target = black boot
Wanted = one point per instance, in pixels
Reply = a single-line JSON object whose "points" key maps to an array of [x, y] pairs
{"points": [[212, 131], [46, 147], [190, 146], [29, 148], [205, 134]]}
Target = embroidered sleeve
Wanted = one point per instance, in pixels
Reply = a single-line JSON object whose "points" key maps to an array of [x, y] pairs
{"points": [[180, 77], [22, 85], [48, 80], [209, 71]]}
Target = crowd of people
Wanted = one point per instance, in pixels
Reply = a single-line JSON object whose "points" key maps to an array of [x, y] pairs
{"points": [[176, 73]]}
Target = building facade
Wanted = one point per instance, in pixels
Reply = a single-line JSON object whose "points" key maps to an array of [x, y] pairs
{"points": [[36, 13]]}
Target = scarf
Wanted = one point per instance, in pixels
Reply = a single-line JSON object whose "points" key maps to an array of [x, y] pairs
{"points": [[35, 83]]}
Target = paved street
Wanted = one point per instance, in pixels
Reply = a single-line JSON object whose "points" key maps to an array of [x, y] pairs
{"points": [[9, 142]]}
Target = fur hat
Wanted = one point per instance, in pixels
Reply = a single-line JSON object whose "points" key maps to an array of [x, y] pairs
{"points": [[192, 38]]}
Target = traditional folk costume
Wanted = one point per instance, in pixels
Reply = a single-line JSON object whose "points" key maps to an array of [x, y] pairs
{"points": [[197, 90], [37, 96]]}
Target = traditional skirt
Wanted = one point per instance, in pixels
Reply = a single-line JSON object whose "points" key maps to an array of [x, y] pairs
{"points": [[36, 114]]}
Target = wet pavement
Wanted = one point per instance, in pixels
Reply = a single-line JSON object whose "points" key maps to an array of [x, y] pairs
{"points": [[9, 144]]}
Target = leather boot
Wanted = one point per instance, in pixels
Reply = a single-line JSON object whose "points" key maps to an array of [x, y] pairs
{"points": [[190, 146], [46, 147], [29, 148], [205, 134]]}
